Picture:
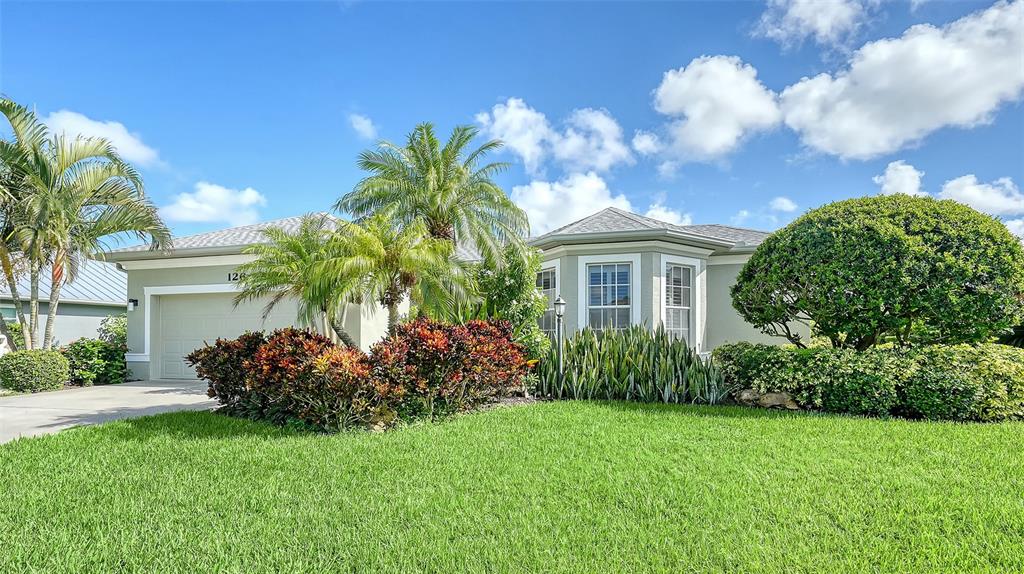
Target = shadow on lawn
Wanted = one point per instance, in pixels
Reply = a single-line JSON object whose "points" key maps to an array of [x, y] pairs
{"points": [[707, 411], [191, 425]]}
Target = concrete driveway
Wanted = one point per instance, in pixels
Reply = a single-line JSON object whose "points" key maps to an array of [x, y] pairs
{"points": [[47, 413]]}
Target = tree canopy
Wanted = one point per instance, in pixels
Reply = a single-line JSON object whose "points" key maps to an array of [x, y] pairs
{"points": [[895, 267]]}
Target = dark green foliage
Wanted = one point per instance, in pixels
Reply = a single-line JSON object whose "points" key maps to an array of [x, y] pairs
{"points": [[17, 337], [896, 266], [1014, 338], [32, 371], [948, 382], [95, 362], [634, 364], [114, 330]]}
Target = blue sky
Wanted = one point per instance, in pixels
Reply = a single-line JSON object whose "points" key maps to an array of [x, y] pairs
{"points": [[748, 113]]}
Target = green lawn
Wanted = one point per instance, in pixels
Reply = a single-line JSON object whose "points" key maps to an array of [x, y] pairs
{"points": [[570, 487]]}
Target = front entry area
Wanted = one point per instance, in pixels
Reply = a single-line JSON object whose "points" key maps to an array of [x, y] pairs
{"points": [[187, 322]]}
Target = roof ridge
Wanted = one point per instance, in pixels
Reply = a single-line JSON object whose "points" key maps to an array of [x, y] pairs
{"points": [[642, 219], [727, 227]]}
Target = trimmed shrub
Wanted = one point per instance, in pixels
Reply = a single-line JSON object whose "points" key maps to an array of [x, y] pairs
{"points": [[965, 382], [634, 364], [867, 270], [33, 371], [114, 330], [940, 382], [435, 368], [222, 364], [339, 393], [95, 362], [280, 368]]}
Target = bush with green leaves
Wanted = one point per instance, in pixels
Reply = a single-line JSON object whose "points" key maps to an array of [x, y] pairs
{"points": [[966, 382], [95, 362], [943, 382], [33, 371], [508, 292], [17, 337], [114, 331], [634, 364], [895, 267]]}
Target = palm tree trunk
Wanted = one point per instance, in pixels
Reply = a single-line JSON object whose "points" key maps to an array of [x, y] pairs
{"points": [[12, 284], [343, 335], [51, 314], [33, 304], [392, 319]]}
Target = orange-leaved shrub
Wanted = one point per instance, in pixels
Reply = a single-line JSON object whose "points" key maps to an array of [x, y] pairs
{"points": [[428, 368]]}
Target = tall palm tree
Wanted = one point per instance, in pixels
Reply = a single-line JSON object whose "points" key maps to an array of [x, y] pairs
{"points": [[290, 266], [445, 188], [71, 196], [393, 262]]}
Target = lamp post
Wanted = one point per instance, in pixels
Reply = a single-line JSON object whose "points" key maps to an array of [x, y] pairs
{"points": [[559, 331]]}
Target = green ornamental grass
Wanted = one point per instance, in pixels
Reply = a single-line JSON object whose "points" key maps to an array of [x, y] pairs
{"points": [[566, 486]]}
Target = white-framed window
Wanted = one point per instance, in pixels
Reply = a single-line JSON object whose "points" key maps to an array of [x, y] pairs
{"points": [[609, 295], [547, 285], [678, 301]]}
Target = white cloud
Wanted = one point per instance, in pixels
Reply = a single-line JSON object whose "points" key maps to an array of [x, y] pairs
{"points": [[363, 126], [1001, 197], [783, 204], [900, 177], [668, 169], [550, 205], [828, 22], [646, 143], [215, 203], [591, 139], [1016, 227], [718, 101], [662, 213], [894, 92], [129, 145], [740, 218]]}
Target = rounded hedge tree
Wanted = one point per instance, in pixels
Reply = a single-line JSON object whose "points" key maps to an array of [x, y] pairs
{"points": [[886, 267]]}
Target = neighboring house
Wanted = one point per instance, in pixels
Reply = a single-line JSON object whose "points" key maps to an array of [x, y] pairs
{"points": [[99, 291], [617, 268], [614, 269], [184, 297]]}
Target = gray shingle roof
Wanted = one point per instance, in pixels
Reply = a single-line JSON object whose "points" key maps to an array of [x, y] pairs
{"points": [[97, 282], [232, 237], [614, 220]]}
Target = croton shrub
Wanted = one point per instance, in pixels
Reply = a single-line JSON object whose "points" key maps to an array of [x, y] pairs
{"points": [[426, 369]]}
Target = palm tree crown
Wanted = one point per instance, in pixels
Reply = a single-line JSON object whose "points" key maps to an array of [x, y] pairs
{"points": [[445, 188], [290, 265], [65, 198]]}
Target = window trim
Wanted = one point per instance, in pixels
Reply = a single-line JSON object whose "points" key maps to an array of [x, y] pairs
{"points": [[583, 261], [696, 294], [552, 265]]}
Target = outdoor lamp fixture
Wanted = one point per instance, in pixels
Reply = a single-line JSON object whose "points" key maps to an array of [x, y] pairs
{"points": [[132, 304], [559, 329]]}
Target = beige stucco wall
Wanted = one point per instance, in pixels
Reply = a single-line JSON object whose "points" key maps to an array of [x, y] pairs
{"points": [[725, 324]]}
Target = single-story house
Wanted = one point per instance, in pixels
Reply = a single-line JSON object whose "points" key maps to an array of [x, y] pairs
{"points": [[614, 268], [99, 291], [181, 298]]}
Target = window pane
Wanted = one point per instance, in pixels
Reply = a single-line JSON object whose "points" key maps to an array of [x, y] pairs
{"points": [[595, 275], [621, 318], [595, 319], [595, 296], [622, 295]]}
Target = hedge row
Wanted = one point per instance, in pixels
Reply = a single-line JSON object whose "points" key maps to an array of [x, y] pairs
{"points": [[937, 382], [426, 369]]}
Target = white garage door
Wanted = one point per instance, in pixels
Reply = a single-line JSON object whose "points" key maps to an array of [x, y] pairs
{"points": [[187, 322]]}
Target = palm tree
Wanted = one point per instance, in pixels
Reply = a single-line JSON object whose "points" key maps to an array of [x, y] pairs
{"points": [[69, 197], [393, 262], [444, 188], [290, 266]]}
